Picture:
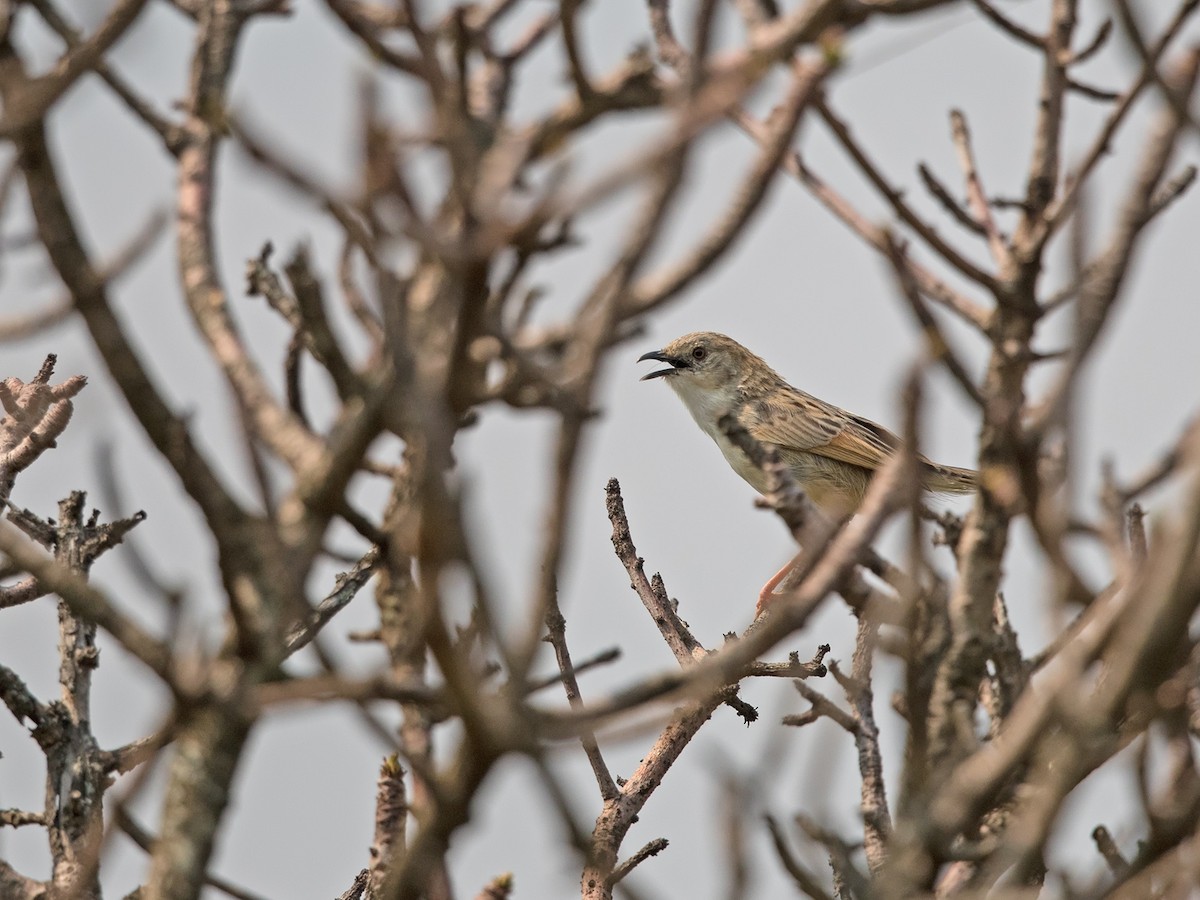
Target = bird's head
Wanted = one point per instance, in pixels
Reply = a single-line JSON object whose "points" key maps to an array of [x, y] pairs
{"points": [[703, 358], [707, 368]]}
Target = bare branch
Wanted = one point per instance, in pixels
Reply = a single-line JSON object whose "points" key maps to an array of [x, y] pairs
{"points": [[653, 848], [27, 101]]}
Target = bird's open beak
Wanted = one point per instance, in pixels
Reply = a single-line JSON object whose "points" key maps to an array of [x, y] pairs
{"points": [[673, 361]]}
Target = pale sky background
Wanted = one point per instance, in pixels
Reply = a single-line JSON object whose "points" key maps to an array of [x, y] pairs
{"points": [[800, 290]]}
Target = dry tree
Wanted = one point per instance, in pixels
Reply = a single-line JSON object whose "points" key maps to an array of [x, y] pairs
{"points": [[436, 313]]}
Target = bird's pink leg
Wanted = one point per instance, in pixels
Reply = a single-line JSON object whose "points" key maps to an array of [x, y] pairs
{"points": [[768, 590]]}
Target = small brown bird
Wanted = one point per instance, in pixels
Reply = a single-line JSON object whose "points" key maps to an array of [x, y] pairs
{"points": [[832, 454]]}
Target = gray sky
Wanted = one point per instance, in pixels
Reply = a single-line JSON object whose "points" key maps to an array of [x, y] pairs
{"points": [[800, 290]]}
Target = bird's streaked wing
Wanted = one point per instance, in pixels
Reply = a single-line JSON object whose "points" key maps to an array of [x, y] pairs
{"points": [[829, 432]]}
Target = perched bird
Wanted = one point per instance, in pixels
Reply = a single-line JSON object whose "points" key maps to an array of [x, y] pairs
{"points": [[831, 453]]}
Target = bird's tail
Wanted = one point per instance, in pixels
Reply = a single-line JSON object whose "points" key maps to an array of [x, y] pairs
{"points": [[950, 479]]}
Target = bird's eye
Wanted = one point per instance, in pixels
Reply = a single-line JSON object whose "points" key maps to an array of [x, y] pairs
{"points": [[698, 353]]}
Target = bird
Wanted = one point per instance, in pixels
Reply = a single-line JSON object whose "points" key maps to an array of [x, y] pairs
{"points": [[831, 453]]}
